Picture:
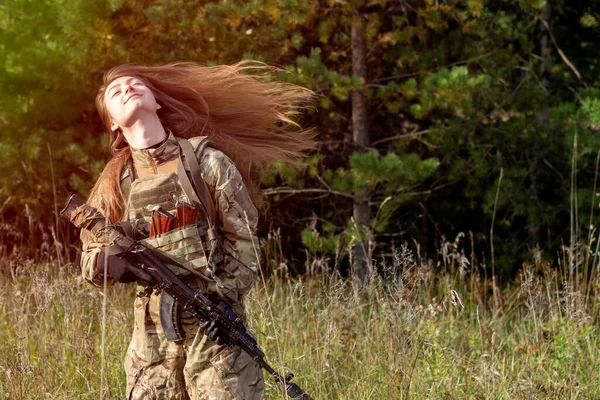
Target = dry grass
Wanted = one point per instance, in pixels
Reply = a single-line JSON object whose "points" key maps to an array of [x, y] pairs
{"points": [[411, 333]]}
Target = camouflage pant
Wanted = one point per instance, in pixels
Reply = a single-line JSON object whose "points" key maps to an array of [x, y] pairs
{"points": [[195, 368]]}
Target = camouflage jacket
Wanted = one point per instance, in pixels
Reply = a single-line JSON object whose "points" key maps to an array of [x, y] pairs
{"points": [[236, 223]]}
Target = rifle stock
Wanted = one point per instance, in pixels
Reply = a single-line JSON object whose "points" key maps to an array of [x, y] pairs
{"points": [[155, 263]]}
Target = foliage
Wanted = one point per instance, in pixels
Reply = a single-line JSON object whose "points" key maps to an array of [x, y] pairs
{"points": [[460, 93]]}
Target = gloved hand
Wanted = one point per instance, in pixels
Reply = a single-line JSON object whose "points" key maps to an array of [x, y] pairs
{"points": [[213, 332], [120, 269]]}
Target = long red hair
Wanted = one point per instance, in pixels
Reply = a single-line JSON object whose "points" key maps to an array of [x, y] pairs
{"points": [[247, 115]]}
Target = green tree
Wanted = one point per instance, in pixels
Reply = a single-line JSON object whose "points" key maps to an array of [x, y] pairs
{"points": [[457, 92]]}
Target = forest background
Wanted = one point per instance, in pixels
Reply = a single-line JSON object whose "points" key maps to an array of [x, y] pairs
{"points": [[482, 120], [457, 161]]}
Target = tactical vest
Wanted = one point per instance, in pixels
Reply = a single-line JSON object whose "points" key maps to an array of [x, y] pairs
{"points": [[196, 246]]}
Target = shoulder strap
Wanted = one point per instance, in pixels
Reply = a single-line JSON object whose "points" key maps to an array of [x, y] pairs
{"points": [[188, 163], [199, 143]]}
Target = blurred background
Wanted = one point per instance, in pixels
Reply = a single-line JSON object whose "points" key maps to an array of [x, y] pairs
{"points": [[465, 123]]}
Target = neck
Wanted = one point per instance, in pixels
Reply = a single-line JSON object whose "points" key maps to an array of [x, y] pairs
{"points": [[145, 132]]}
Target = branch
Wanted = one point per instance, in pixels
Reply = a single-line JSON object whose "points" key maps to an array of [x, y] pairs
{"points": [[324, 183], [410, 75], [287, 190], [401, 192], [403, 136], [562, 54], [284, 190]]}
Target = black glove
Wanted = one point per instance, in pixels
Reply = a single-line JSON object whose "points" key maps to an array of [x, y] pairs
{"points": [[119, 269], [213, 332]]}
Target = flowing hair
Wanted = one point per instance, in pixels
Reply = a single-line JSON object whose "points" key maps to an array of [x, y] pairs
{"points": [[246, 115]]}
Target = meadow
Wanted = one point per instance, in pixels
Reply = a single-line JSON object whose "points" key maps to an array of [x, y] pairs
{"points": [[419, 329]]}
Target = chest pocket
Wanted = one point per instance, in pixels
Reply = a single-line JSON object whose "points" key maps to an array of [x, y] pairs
{"points": [[189, 244], [158, 190]]}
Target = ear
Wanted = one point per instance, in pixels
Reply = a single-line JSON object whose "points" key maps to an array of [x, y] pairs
{"points": [[114, 126], [158, 107]]}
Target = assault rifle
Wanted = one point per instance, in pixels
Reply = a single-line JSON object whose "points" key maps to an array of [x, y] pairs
{"points": [[154, 263]]}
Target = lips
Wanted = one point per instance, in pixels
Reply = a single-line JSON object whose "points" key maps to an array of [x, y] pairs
{"points": [[129, 98]]}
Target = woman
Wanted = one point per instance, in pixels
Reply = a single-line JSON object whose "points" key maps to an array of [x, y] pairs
{"points": [[185, 140]]}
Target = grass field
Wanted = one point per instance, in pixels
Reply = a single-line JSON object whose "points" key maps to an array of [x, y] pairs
{"points": [[413, 334]]}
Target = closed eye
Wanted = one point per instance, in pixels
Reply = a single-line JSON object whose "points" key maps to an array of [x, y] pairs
{"points": [[116, 92]]}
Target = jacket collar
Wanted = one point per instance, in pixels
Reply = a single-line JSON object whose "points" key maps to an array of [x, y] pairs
{"points": [[168, 150]]}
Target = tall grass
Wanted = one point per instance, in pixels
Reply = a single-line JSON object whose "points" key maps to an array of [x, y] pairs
{"points": [[412, 333]]}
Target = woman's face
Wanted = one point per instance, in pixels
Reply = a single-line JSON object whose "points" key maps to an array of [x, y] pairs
{"points": [[128, 100]]}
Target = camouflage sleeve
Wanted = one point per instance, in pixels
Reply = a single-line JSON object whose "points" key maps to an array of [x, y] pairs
{"points": [[89, 259], [90, 249], [237, 221]]}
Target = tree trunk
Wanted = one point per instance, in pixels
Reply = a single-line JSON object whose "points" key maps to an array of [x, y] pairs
{"points": [[533, 223], [360, 134]]}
